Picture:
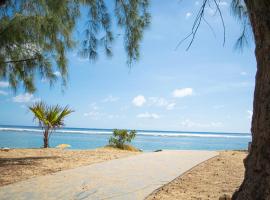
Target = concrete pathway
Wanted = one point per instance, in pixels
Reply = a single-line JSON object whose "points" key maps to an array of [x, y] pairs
{"points": [[129, 178]]}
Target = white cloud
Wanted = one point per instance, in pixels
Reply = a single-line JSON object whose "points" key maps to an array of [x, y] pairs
{"points": [[57, 73], [161, 102], [4, 84], [3, 93], [110, 98], [170, 106], [191, 124], [250, 113], [223, 3], [25, 98], [182, 92], [148, 115], [188, 15], [139, 100], [243, 73]]}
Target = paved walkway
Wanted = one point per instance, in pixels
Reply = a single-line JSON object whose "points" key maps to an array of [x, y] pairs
{"points": [[127, 178]]}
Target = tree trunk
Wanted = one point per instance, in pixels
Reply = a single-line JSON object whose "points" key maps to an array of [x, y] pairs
{"points": [[256, 184], [46, 138], [3, 2]]}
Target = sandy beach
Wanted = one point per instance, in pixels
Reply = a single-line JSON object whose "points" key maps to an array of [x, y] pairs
{"points": [[220, 175], [132, 178], [20, 164], [208, 181]]}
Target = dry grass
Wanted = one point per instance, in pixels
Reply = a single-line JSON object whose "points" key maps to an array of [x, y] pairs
{"points": [[21, 164], [208, 181], [126, 147]]}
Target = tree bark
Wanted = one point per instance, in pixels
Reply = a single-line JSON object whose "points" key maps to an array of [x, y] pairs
{"points": [[3, 2], [46, 138], [256, 184]]}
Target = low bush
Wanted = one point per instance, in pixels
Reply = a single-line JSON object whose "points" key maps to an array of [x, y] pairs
{"points": [[120, 137]]}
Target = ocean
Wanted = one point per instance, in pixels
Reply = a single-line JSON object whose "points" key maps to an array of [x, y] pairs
{"points": [[147, 140]]}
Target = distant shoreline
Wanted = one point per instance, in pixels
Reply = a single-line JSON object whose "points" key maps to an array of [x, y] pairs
{"points": [[29, 137], [139, 130]]}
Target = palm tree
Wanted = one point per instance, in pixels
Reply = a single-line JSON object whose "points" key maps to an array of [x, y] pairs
{"points": [[49, 118]]}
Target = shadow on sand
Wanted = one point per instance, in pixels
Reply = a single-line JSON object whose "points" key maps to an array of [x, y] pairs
{"points": [[23, 160]]}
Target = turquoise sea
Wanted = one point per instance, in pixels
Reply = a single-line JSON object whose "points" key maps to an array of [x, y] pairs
{"points": [[147, 140]]}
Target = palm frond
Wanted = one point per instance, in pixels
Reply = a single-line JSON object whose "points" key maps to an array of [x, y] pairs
{"points": [[38, 109], [50, 116], [65, 112]]}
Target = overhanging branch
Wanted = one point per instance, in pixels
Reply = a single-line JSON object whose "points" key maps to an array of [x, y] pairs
{"points": [[197, 23], [22, 60]]}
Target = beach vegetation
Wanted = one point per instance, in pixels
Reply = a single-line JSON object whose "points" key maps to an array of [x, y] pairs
{"points": [[36, 34], [120, 137], [49, 118], [127, 147]]}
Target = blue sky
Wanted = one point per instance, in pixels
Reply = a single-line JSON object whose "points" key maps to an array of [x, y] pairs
{"points": [[208, 88]]}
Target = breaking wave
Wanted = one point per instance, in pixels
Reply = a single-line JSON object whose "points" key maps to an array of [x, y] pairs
{"points": [[142, 133]]}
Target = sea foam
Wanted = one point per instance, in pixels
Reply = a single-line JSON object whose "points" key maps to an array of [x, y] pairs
{"points": [[142, 133]]}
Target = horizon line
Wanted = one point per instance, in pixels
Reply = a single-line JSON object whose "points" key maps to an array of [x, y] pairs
{"points": [[145, 130]]}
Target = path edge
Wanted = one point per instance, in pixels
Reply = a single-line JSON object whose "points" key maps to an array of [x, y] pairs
{"points": [[181, 175]]}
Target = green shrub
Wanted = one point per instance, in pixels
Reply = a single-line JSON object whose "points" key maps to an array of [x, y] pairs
{"points": [[120, 137]]}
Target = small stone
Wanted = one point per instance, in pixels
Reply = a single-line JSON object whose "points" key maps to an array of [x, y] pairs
{"points": [[225, 197]]}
